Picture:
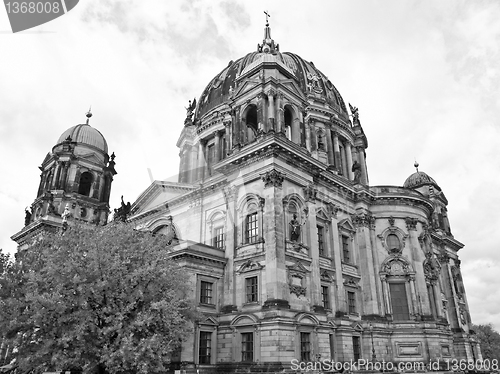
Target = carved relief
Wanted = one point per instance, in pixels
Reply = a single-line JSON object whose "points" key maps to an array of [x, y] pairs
{"points": [[432, 268], [411, 223], [363, 220], [351, 282], [396, 265], [332, 210], [297, 279], [310, 192], [230, 193], [249, 266], [273, 178]]}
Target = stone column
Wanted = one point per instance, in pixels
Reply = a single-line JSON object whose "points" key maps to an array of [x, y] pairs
{"points": [[270, 113], [296, 130], [344, 163], [56, 180], [261, 123], [194, 162], [273, 233], [329, 145], [229, 146], [217, 147], [364, 224], [313, 235], [281, 115], [362, 161], [64, 176], [336, 151], [387, 299], [348, 152], [337, 259], [201, 159], [307, 127], [230, 233], [413, 292], [314, 142]]}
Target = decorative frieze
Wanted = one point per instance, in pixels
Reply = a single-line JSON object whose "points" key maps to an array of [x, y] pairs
{"points": [[273, 178], [363, 220]]}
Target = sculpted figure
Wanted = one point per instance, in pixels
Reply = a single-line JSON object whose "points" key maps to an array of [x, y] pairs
{"points": [[66, 214], [27, 217], [356, 169], [295, 229]]}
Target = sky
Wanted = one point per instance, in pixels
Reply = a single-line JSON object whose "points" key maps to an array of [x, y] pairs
{"points": [[424, 74]]}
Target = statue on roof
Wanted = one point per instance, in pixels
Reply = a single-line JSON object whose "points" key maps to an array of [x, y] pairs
{"points": [[356, 169], [355, 114], [27, 217], [190, 108], [122, 212]]}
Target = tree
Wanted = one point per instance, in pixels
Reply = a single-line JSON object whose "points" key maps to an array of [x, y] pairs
{"points": [[99, 299], [489, 339]]}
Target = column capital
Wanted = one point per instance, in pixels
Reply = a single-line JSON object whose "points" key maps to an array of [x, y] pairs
{"points": [[270, 93]]}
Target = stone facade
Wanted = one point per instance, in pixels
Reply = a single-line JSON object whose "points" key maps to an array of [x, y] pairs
{"points": [[292, 254]]}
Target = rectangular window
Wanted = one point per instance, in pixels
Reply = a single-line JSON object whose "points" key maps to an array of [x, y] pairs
{"points": [[325, 296], [206, 292], [305, 346], [321, 244], [205, 347], [400, 311], [346, 251], [351, 301], [356, 348], [251, 290], [247, 346], [251, 228], [219, 238]]}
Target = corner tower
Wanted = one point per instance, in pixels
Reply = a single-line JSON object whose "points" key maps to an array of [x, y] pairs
{"points": [[76, 177]]}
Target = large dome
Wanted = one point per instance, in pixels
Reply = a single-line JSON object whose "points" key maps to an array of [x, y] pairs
{"points": [[85, 134], [308, 77]]}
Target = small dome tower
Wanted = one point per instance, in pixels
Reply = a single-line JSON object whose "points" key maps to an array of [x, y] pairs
{"points": [[75, 180]]}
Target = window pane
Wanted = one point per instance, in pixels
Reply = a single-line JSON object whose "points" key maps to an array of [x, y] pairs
{"points": [[247, 346], [356, 348], [205, 347], [305, 346], [251, 228], [393, 241], [251, 290], [351, 301], [219, 238], [400, 311], [345, 249], [321, 245], [325, 296], [206, 296]]}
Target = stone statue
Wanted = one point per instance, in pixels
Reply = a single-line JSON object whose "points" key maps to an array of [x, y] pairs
{"points": [[355, 114], [356, 169], [122, 212], [295, 231], [66, 214], [27, 217], [190, 108]]}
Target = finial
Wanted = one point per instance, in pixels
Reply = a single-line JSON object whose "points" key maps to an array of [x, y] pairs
{"points": [[416, 165], [267, 17], [89, 114], [268, 45]]}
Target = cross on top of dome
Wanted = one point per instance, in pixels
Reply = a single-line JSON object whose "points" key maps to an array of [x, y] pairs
{"points": [[267, 45]]}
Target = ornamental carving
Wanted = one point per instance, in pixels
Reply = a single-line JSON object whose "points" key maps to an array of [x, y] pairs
{"points": [[396, 265], [443, 257], [249, 266], [297, 279], [351, 282], [230, 193], [273, 178], [310, 192], [432, 268], [391, 220], [411, 223], [325, 276], [363, 220], [333, 209]]}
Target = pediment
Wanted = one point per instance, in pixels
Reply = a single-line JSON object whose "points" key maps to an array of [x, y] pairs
{"points": [[298, 267], [347, 225], [357, 326]]}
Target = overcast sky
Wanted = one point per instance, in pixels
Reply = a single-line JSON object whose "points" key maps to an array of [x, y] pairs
{"points": [[424, 74]]}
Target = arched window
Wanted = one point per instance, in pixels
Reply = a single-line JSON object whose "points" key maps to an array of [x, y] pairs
{"points": [[85, 184], [251, 121], [393, 242], [250, 212], [288, 123]]}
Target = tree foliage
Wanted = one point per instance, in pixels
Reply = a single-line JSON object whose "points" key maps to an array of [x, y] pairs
{"points": [[100, 299], [489, 339]]}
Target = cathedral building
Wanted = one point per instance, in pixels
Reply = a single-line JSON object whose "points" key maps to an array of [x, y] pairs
{"points": [[293, 256]]}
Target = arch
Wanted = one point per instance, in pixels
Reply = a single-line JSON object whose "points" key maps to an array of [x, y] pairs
{"points": [[248, 202], [216, 215], [294, 209], [292, 124], [250, 215], [244, 319], [306, 318], [166, 226], [85, 183], [400, 234], [396, 265], [249, 118]]}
